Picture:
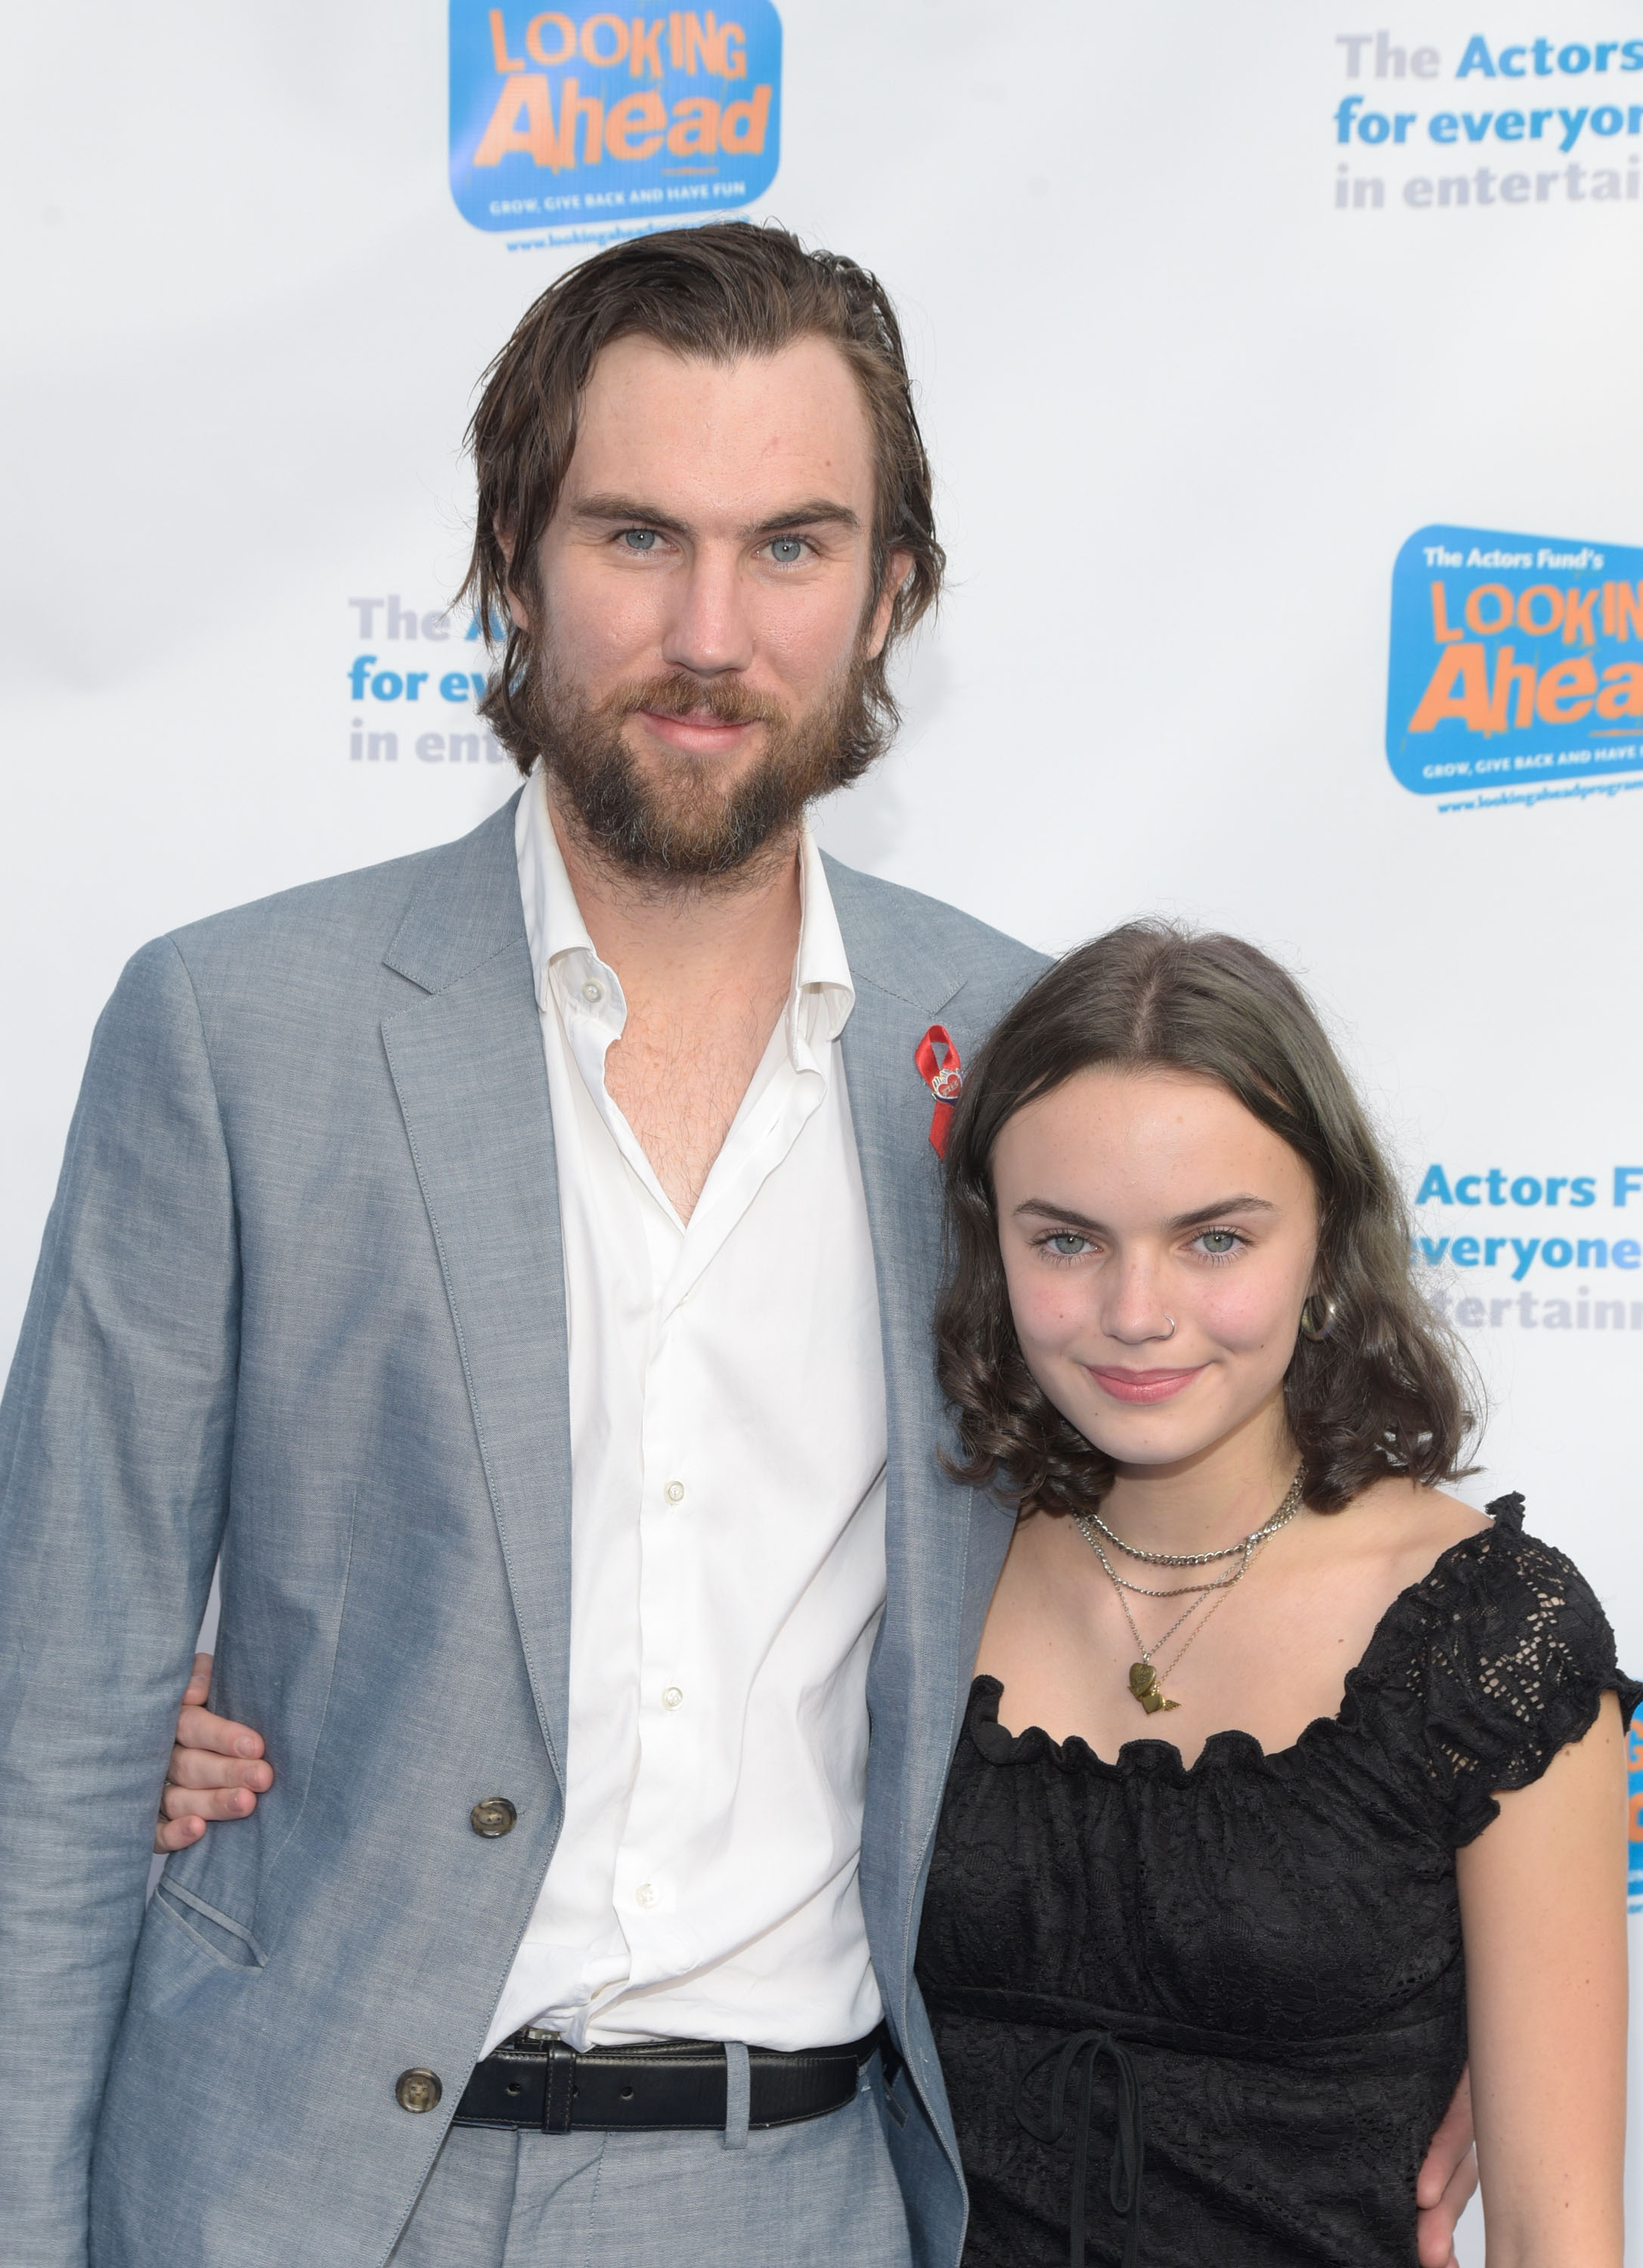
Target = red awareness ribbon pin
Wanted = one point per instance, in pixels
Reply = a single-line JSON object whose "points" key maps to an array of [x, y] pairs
{"points": [[944, 1075]]}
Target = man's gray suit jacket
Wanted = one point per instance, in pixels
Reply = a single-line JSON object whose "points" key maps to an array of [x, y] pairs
{"points": [[300, 1303]]}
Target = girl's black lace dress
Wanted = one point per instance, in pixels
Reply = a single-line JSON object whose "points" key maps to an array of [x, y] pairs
{"points": [[1215, 2015]]}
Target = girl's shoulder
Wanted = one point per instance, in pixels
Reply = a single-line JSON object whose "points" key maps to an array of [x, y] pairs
{"points": [[1490, 1661], [1413, 1526]]}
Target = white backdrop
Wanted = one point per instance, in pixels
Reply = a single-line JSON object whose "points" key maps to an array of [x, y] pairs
{"points": [[1187, 407]]}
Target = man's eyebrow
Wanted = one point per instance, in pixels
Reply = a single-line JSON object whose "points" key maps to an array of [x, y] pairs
{"points": [[817, 512], [1042, 1209], [629, 510], [633, 511]]}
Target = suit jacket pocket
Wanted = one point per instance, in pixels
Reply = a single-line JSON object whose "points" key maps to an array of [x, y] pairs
{"points": [[274, 1669], [219, 1934]]}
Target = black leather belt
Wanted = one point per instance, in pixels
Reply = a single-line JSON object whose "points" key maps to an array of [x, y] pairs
{"points": [[534, 2079]]}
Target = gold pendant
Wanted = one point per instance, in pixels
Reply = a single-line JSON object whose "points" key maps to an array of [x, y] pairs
{"points": [[1144, 1685]]}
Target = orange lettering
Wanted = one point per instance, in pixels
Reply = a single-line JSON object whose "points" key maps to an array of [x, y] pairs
{"points": [[1475, 611], [499, 45], [1577, 616], [536, 137], [591, 111], [618, 32], [644, 46], [694, 130], [741, 128], [701, 43], [636, 114], [1622, 690], [1441, 629], [1628, 609], [566, 30], [1565, 692], [1510, 672], [1525, 609], [732, 66], [1441, 700]]}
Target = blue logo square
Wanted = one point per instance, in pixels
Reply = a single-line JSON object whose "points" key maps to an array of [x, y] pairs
{"points": [[1517, 662], [578, 119]]}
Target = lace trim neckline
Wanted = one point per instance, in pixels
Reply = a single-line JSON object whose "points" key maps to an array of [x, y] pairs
{"points": [[1231, 1745]]}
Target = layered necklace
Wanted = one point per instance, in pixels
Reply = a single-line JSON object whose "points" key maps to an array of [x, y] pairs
{"points": [[1209, 1596]]}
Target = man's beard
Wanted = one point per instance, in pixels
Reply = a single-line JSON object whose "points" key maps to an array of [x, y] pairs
{"points": [[672, 820]]}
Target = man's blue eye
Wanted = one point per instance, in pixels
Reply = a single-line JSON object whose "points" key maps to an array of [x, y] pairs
{"points": [[786, 548], [639, 539]]}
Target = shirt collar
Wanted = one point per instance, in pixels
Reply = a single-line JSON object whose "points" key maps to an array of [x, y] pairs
{"points": [[564, 963], [552, 919], [822, 993]]}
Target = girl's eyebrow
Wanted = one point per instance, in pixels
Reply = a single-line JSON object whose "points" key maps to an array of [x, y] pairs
{"points": [[1245, 1204], [1042, 1209]]}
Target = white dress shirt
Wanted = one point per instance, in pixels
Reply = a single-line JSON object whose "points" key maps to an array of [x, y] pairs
{"points": [[727, 1451]]}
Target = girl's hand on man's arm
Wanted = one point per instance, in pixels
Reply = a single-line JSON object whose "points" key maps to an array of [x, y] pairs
{"points": [[216, 1770]]}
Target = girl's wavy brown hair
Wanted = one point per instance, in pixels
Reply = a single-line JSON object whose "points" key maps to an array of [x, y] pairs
{"points": [[1388, 1389]]}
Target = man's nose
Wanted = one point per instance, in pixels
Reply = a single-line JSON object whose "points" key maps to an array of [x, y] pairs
{"points": [[709, 629]]}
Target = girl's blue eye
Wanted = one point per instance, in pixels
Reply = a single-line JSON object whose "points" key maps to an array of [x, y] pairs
{"points": [[1217, 1242], [1065, 1244]]}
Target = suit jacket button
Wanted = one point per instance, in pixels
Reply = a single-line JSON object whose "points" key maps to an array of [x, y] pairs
{"points": [[417, 2090], [495, 1816]]}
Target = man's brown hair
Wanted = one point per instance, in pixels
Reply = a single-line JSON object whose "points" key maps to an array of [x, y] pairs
{"points": [[716, 293]]}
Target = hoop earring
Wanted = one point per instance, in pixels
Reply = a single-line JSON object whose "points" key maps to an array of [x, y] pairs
{"points": [[1310, 1327]]}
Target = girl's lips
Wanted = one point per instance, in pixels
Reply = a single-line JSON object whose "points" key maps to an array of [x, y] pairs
{"points": [[1142, 1385]]}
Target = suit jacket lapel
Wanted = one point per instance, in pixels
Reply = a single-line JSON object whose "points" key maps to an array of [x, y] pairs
{"points": [[944, 1544], [466, 1063]]}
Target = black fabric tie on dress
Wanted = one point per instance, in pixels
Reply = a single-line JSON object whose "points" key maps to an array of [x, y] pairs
{"points": [[1077, 2057]]}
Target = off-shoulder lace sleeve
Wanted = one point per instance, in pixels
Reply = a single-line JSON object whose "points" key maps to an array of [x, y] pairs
{"points": [[1505, 1659]]}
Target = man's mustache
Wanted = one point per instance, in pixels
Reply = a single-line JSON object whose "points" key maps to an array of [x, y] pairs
{"points": [[721, 698]]}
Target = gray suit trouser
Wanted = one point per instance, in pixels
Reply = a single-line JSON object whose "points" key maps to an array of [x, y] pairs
{"points": [[821, 2194]]}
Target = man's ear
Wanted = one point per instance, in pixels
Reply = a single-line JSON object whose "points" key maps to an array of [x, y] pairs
{"points": [[897, 568], [505, 544]]}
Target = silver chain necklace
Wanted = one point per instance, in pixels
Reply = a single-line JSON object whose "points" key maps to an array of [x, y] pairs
{"points": [[1285, 1513], [1146, 1590], [1143, 1675]]}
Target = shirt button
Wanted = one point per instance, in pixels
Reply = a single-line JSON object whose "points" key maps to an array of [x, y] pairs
{"points": [[592, 991], [675, 1491], [417, 2090], [672, 1697], [492, 1817], [646, 1895]]}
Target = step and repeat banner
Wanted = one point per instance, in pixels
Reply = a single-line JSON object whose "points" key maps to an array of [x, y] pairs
{"points": [[1279, 368]]}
